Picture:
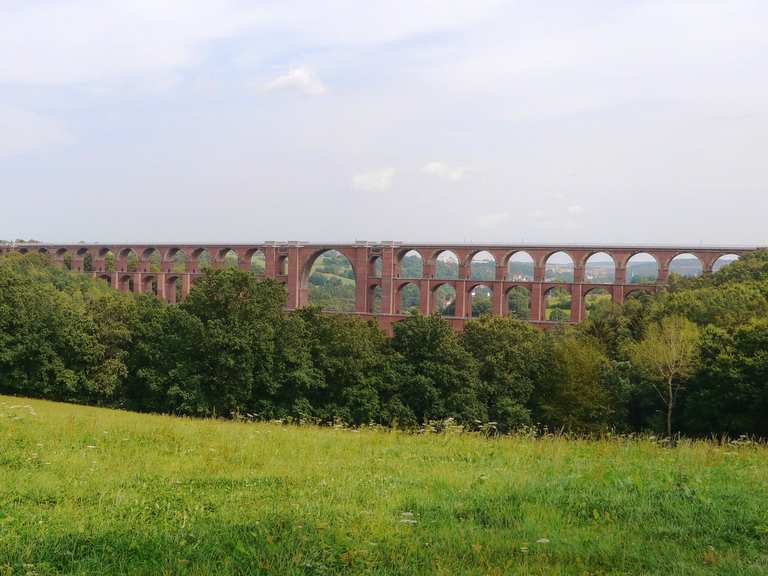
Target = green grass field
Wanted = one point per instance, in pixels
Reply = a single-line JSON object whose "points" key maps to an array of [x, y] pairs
{"points": [[93, 491]]}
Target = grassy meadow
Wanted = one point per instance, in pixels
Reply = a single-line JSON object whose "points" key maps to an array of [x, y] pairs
{"points": [[93, 491]]}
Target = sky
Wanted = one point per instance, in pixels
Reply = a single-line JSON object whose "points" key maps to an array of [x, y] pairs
{"points": [[606, 121]]}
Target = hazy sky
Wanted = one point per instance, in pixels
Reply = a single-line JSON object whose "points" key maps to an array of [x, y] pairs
{"points": [[480, 120]]}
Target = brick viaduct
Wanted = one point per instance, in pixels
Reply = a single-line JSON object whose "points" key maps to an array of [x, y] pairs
{"points": [[377, 270]]}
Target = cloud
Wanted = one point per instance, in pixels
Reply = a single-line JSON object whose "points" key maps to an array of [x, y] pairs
{"points": [[24, 132], [300, 79], [575, 209], [375, 181], [444, 171]]}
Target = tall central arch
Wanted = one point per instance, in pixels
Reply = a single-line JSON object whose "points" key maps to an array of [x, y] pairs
{"points": [[328, 280]]}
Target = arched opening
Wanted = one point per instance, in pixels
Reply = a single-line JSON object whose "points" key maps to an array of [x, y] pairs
{"points": [[519, 303], [331, 282], [520, 267], [375, 266], [481, 300], [597, 303], [411, 265], [105, 261], [125, 283], [63, 256], [409, 298], [444, 300], [178, 258], [557, 305], [201, 260], [87, 260], [153, 259], [642, 268], [149, 285], [600, 269], [559, 268], [128, 260], [374, 299], [258, 263], [446, 266], [687, 265], [482, 266], [723, 261], [229, 258], [173, 288], [106, 278], [282, 265]]}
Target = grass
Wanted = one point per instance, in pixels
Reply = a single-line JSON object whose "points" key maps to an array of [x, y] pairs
{"points": [[93, 491]]}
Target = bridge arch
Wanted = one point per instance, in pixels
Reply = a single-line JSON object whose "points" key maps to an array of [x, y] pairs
{"points": [[480, 300], [199, 259], [408, 298], [444, 299], [445, 264], [482, 266], [724, 260], [559, 267], [329, 280], [375, 266], [686, 264], [228, 258], [518, 302], [127, 260], [558, 302], [410, 263], [150, 284], [256, 260], [596, 302], [174, 288], [520, 266], [642, 268], [600, 268]]}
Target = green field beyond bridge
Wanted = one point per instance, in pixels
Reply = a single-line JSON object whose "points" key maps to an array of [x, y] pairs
{"points": [[94, 491]]}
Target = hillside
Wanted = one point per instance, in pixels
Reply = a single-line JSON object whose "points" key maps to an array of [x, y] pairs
{"points": [[95, 491]]}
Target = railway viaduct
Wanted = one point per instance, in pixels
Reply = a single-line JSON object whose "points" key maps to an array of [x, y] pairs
{"points": [[379, 279]]}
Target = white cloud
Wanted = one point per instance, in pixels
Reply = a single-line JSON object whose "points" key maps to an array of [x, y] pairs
{"points": [[374, 181], [300, 79], [24, 132], [444, 171], [575, 209]]}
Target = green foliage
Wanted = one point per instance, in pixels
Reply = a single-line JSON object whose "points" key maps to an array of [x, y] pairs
{"points": [[436, 376], [510, 356], [667, 355], [581, 389], [730, 391]]}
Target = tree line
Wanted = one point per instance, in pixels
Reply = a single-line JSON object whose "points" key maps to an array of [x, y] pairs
{"points": [[691, 359]]}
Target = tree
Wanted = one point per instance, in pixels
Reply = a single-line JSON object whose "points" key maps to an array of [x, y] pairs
{"points": [[510, 356], [437, 377], [667, 356], [731, 387], [580, 388]]}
